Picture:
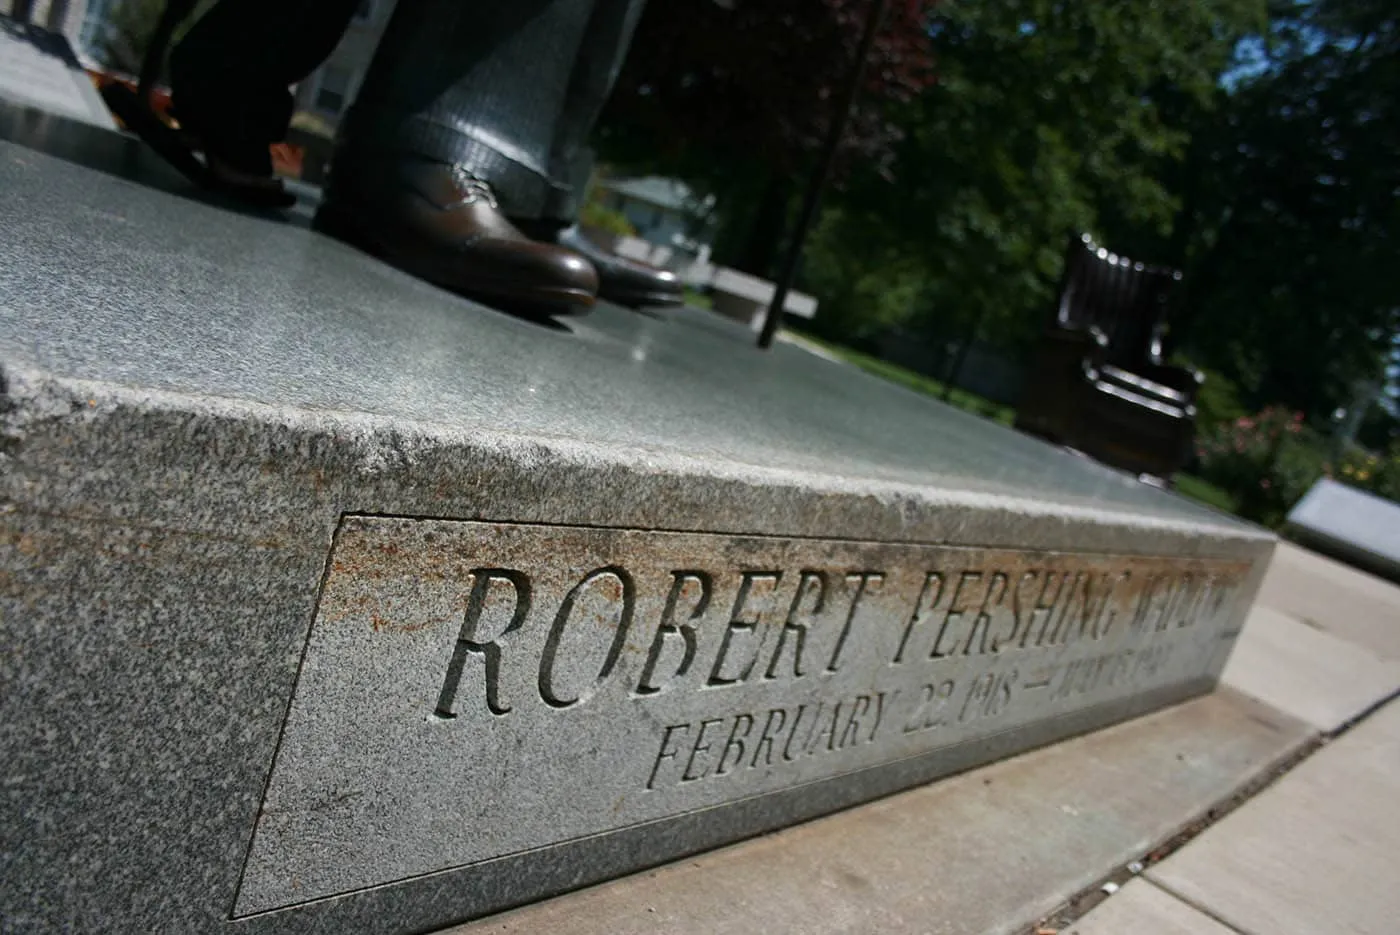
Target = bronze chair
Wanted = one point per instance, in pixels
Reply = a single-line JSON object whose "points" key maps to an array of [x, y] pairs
{"points": [[1098, 383]]}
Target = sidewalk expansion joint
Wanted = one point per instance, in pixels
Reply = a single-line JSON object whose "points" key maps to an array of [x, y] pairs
{"points": [[1080, 904], [1202, 909]]}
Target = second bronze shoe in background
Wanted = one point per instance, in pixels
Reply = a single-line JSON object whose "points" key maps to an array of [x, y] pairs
{"points": [[621, 280], [442, 224]]}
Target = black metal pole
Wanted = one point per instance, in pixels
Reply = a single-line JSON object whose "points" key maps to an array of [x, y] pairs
{"points": [[813, 196]]}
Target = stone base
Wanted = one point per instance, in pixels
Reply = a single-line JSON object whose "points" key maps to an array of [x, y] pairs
{"points": [[338, 603]]}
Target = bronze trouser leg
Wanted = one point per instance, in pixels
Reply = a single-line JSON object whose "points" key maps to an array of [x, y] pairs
{"points": [[609, 34], [231, 73], [510, 90]]}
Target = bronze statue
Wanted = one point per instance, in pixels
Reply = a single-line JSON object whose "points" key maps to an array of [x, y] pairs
{"points": [[471, 124]]}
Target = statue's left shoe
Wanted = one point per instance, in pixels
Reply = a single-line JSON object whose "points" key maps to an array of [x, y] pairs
{"points": [[195, 157], [624, 281]]}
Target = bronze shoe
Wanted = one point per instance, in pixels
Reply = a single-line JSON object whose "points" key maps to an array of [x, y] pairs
{"points": [[622, 280], [442, 224]]}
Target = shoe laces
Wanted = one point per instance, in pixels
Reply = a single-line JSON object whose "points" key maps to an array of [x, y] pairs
{"points": [[471, 188]]}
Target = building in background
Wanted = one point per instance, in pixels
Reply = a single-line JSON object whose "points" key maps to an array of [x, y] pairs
{"points": [[91, 24], [664, 211], [322, 99], [67, 17], [323, 96]]}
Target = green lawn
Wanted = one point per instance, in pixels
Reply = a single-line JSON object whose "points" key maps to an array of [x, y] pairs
{"points": [[917, 381], [697, 299], [1185, 484], [1205, 492]]}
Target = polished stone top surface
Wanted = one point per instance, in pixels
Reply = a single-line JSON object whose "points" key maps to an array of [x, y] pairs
{"points": [[142, 284]]}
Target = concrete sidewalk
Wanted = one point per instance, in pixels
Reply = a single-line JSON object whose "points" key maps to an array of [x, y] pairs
{"points": [[1319, 850]]}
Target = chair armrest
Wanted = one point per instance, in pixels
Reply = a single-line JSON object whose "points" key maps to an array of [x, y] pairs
{"points": [[1089, 345], [1066, 361], [1185, 380]]}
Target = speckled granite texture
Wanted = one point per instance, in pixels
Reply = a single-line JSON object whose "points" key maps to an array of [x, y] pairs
{"points": [[194, 399]]}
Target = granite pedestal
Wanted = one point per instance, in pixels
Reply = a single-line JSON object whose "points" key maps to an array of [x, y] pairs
{"points": [[334, 602]]}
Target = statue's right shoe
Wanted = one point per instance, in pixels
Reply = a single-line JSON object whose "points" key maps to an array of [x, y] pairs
{"points": [[441, 223]]}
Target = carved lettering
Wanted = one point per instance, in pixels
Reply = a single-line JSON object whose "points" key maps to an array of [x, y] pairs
{"points": [[991, 600], [615, 589], [744, 620], [735, 743], [928, 713], [1057, 579], [667, 752], [860, 580], [1108, 613], [1018, 623], [798, 621], [667, 673], [988, 696], [980, 611], [699, 748], [955, 611], [828, 731], [1060, 630], [1156, 593], [849, 723], [924, 604], [879, 714], [772, 727], [859, 706], [471, 638], [792, 734], [682, 584]]}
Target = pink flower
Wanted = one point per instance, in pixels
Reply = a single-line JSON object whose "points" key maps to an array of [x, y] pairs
{"points": [[1264, 484]]}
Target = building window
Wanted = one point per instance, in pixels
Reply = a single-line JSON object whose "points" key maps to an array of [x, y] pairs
{"points": [[332, 91], [95, 26]]}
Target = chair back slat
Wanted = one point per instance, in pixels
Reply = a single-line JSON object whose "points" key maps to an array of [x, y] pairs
{"points": [[1129, 301]]}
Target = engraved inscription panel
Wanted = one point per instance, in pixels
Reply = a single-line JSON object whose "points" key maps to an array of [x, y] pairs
{"points": [[473, 690]]}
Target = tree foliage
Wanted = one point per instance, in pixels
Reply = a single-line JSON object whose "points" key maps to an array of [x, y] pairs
{"points": [[1258, 149], [1291, 207], [1253, 143], [735, 98], [707, 85], [1044, 115]]}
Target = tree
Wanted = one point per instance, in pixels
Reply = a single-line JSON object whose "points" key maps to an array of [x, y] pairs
{"points": [[1048, 118], [736, 100], [1290, 218]]}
